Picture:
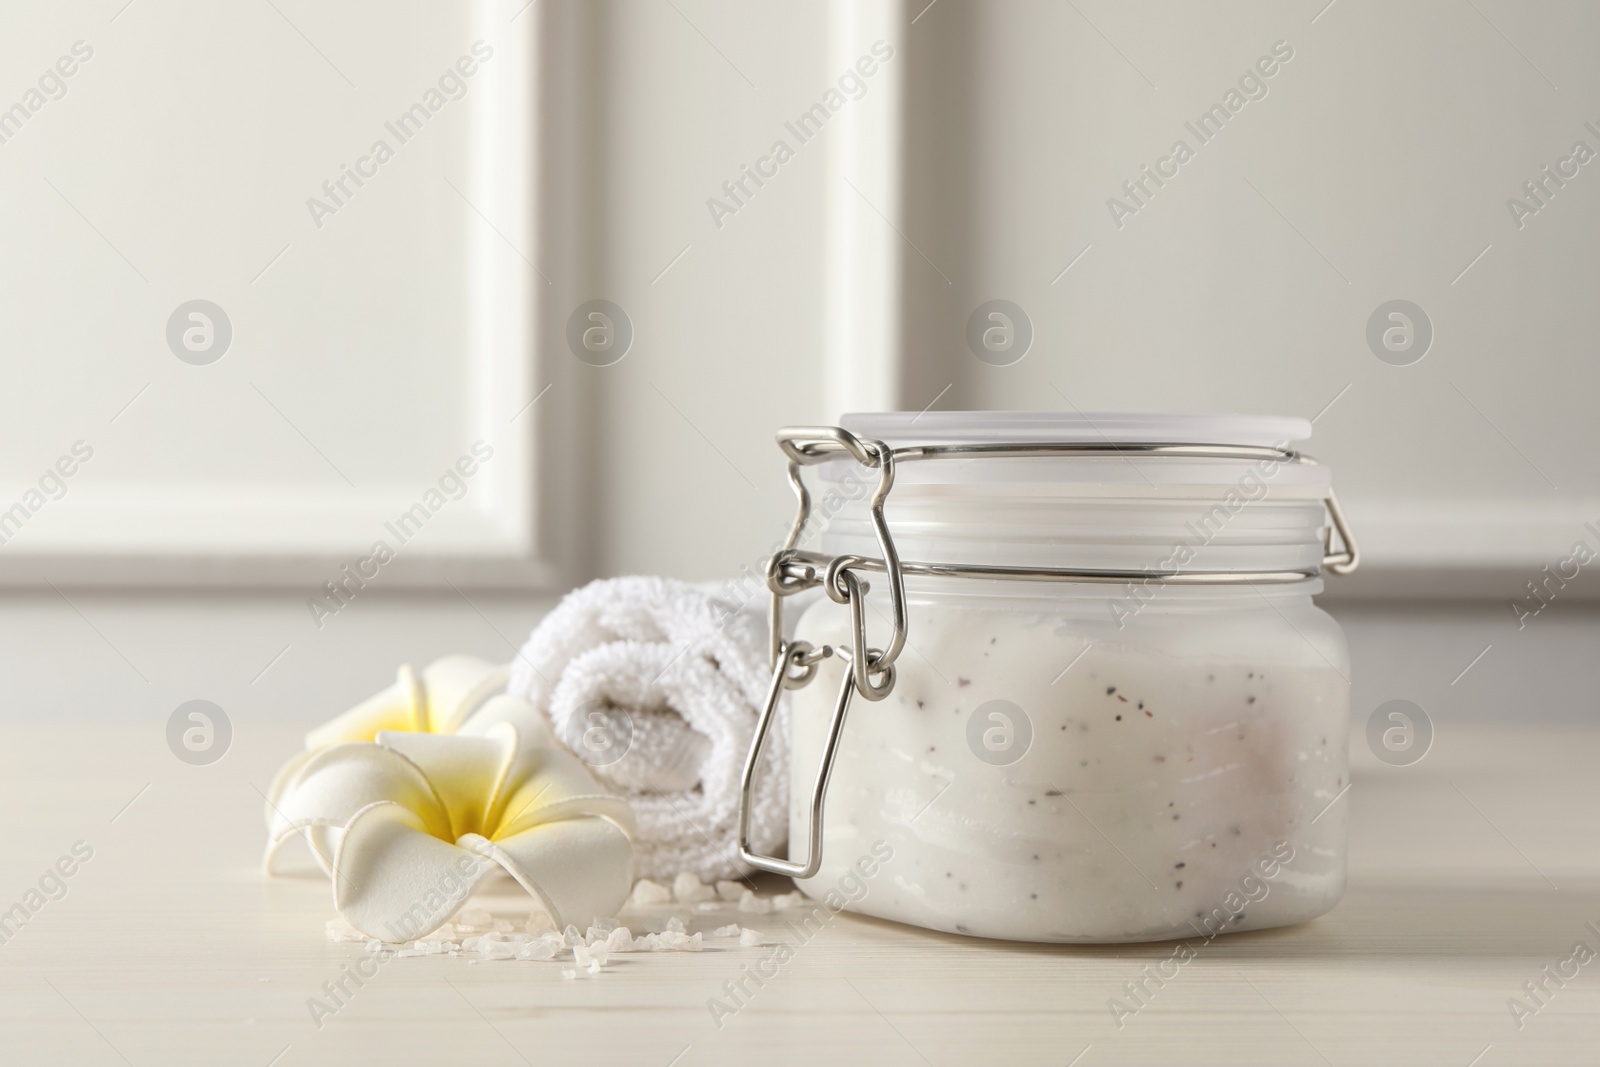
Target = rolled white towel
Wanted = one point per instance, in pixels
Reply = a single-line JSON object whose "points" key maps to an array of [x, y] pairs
{"points": [[690, 672]]}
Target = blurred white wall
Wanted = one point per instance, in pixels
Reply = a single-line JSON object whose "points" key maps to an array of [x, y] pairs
{"points": [[586, 161]]}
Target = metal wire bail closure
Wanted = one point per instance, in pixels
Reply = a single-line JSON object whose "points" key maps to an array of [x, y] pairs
{"points": [[798, 655], [871, 670]]}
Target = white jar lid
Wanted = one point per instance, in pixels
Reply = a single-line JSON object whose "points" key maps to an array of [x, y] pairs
{"points": [[1117, 427], [1111, 511]]}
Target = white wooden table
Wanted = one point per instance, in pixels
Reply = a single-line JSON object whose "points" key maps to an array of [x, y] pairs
{"points": [[1470, 872]]}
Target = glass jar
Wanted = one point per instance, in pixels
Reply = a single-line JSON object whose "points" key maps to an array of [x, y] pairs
{"points": [[1148, 746]]}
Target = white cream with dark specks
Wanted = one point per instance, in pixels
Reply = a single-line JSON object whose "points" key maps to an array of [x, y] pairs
{"points": [[1157, 778]]}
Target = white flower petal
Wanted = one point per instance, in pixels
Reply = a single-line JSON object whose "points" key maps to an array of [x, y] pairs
{"points": [[336, 782], [465, 772], [280, 782], [269, 859], [456, 685], [533, 729], [395, 881], [547, 783], [582, 869], [402, 706]]}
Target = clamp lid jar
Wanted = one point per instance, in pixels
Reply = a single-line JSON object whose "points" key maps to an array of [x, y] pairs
{"points": [[1069, 678]]}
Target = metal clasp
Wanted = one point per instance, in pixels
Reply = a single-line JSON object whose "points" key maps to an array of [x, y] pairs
{"points": [[798, 655], [788, 574], [1348, 557]]}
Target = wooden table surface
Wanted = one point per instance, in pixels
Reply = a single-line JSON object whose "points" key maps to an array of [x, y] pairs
{"points": [[1471, 871]]}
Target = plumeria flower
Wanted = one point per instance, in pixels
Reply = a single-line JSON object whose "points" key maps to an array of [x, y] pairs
{"points": [[450, 690], [409, 822]]}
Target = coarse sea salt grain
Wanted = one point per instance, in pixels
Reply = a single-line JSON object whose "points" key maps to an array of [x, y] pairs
{"points": [[731, 930], [730, 891], [785, 901], [705, 907], [675, 925], [476, 917], [568, 973], [594, 957], [536, 950], [620, 940], [689, 889], [669, 941], [645, 893], [755, 905], [425, 948], [752, 938]]}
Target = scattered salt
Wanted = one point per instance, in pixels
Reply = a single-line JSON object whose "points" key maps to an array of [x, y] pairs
{"points": [[752, 938], [669, 941], [749, 902], [785, 901], [646, 892], [478, 936], [483, 944], [536, 950], [688, 888]]}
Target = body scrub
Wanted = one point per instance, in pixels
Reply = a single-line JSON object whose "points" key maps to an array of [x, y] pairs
{"points": [[1115, 714]]}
